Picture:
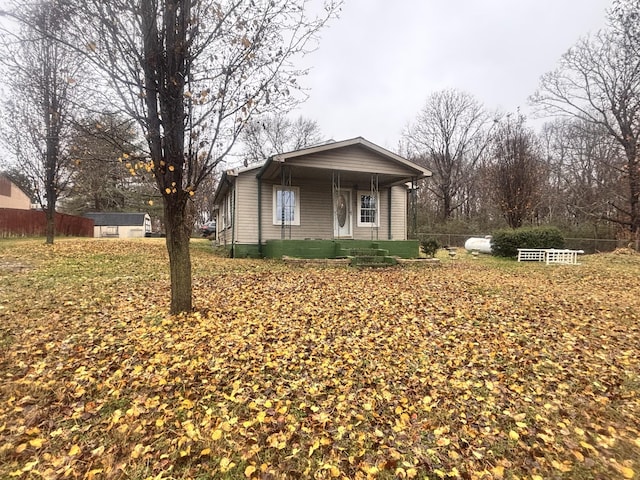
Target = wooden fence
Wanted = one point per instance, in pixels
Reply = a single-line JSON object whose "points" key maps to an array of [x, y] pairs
{"points": [[32, 223]]}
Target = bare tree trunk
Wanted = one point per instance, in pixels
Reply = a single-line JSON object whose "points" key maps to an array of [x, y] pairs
{"points": [[50, 187], [178, 236], [447, 201], [50, 229], [633, 165]]}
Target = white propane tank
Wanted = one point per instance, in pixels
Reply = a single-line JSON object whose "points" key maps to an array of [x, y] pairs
{"points": [[482, 245]]}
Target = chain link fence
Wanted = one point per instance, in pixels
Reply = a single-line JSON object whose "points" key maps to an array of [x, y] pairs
{"points": [[589, 245]]}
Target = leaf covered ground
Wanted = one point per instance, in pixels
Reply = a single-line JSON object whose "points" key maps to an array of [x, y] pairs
{"points": [[477, 368]]}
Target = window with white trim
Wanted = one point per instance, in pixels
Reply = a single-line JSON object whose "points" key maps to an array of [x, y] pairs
{"points": [[286, 205], [368, 212], [226, 211]]}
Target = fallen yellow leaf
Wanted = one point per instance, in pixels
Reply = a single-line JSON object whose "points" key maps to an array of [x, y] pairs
{"points": [[92, 473], [563, 467], [498, 471], [37, 442], [29, 466], [226, 464], [626, 472], [74, 450]]}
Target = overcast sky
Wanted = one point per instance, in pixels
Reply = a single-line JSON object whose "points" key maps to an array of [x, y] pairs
{"points": [[377, 64]]}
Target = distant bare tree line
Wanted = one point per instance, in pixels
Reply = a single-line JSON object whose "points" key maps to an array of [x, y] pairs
{"points": [[581, 170]]}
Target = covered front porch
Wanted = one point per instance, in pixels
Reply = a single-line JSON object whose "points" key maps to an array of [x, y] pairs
{"points": [[320, 201], [355, 192]]}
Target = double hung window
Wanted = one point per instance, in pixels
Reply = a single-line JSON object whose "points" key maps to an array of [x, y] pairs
{"points": [[368, 213], [286, 205]]}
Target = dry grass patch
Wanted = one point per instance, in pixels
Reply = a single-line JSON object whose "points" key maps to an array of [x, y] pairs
{"points": [[477, 369]]}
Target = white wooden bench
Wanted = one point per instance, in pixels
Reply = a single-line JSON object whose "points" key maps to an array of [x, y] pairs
{"points": [[549, 255], [531, 255], [567, 257]]}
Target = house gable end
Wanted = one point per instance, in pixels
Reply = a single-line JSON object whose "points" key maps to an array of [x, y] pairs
{"points": [[353, 158], [12, 196], [355, 155]]}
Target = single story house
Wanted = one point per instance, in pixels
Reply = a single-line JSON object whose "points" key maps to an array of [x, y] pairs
{"points": [[120, 225], [12, 196], [318, 202]]}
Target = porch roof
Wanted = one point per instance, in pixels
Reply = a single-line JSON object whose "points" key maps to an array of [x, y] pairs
{"points": [[311, 163], [307, 163]]}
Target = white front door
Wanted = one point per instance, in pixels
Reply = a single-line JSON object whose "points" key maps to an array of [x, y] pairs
{"points": [[342, 214]]}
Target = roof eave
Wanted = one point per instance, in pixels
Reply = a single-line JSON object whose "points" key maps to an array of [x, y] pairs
{"points": [[422, 172], [232, 172]]}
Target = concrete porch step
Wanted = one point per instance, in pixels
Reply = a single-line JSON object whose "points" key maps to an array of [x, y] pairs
{"points": [[372, 261], [364, 252]]}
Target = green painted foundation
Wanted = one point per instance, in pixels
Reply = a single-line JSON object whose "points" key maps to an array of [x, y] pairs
{"points": [[327, 249], [244, 251], [338, 248], [299, 248]]}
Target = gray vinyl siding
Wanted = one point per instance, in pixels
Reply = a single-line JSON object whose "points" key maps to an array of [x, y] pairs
{"points": [[350, 158], [316, 215], [223, 232], [398, 213], [247, 208]]}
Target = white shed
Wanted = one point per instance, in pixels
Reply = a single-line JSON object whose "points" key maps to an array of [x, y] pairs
{"points": [[120, 225]]}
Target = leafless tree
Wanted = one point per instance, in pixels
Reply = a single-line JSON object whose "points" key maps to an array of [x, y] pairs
{"points": [[598, 81], [449, 136], [40, 74], [104, 153], [192, 73], [203, 204], [277, 133], [624, 19], [515, 170], [585, 167]]}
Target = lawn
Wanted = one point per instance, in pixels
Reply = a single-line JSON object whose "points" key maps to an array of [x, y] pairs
{"points": [[477, 368]]}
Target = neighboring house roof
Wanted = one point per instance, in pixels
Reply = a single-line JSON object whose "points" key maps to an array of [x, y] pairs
{"points": [[118, 219], [12, 196], [271, 167]]}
